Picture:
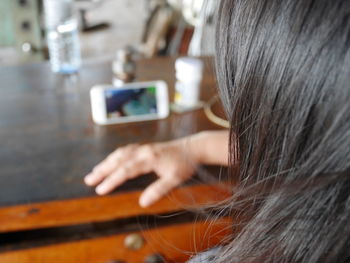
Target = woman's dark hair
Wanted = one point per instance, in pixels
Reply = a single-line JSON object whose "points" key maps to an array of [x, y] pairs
{"points": [[283, 69]]}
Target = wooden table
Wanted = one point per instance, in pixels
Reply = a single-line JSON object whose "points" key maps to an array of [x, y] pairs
{"points": [[48, 144]]}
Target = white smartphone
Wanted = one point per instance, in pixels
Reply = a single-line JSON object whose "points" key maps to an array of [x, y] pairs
{"points": [[128, 103]]}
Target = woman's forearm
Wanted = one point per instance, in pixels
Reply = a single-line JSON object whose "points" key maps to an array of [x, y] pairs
{"points": [[209, 147]]}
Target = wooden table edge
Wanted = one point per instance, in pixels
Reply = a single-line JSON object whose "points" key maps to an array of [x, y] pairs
{"points": [[104, 208]]}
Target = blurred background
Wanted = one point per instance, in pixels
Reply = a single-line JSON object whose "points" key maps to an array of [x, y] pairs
{"points": [[152, 27]]}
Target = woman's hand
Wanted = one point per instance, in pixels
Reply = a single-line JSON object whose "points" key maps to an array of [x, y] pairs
{"points": [[173, 162]]}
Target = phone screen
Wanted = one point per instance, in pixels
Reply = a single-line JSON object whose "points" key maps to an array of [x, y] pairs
{"points": [[130, 102]]}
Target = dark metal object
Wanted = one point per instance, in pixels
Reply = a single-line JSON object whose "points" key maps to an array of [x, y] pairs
{"points": [[23, 3], [84, 6], [88, 27], [26, 26], [155, 258]]}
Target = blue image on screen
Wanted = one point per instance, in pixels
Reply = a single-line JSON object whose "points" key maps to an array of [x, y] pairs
{"points": [[130, 102]]}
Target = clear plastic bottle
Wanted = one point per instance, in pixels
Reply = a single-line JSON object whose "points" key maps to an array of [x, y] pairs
{"points": [[62, 36]]}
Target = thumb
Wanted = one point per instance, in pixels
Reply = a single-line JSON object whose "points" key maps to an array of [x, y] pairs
{"points": [[156, 190]]}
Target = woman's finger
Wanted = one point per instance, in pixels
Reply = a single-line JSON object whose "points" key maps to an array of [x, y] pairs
{"points": [[141, 161], [127, 171], [157, 190], [99, 172], [107, 166]]}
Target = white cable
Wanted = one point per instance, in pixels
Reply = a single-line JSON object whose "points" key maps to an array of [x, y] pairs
{"points": [[212, 116]]}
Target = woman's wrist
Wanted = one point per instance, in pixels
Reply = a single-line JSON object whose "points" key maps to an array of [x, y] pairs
{"points": [[208, 147], [193, 145]]}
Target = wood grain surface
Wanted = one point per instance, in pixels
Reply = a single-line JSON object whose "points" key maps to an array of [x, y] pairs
{"points": [[49, 142]]}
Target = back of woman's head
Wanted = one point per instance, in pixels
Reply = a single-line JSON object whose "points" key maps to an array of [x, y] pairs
{"points": [[283, 69]]}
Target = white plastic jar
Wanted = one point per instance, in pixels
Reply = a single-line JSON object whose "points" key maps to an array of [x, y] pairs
{"points": [[189, 74]]}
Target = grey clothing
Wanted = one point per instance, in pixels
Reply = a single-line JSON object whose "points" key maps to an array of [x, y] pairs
{"points": [[208, 256]]}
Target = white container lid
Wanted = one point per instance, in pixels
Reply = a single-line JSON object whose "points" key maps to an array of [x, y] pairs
{"points": [[189, 68]]}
